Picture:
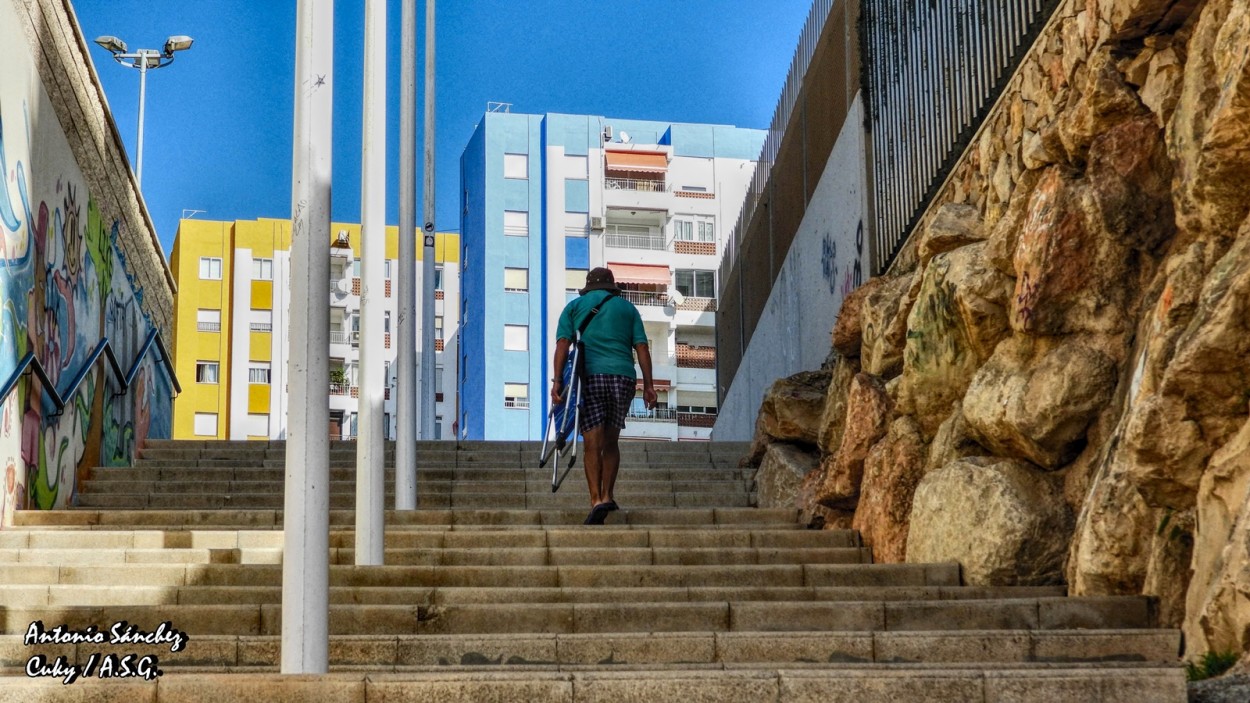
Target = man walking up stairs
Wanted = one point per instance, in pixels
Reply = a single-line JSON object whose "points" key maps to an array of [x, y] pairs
{"points": [[494, 590]]}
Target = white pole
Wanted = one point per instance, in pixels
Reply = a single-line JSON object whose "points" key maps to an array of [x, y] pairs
{"points": [[427, 301], [306, 517], [406, 372], [143, 94], [370, 470]]}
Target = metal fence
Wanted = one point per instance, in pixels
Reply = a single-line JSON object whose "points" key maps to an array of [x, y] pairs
{"points": [[808, 39], [932, 71]]}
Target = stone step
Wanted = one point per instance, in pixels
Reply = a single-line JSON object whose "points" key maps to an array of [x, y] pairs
{"points": [[622, 650], [485, 556], [162, 500], [243, 473], [241, 518], [568, 618], [661, 576], [426, 537], [635, 485], [1106, 683], [36, 596]]}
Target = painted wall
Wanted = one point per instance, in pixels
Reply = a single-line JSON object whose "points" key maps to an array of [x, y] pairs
{"points": [[65, 285], [827, 260]]}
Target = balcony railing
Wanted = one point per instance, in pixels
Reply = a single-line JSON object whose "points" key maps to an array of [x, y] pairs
{"points": [[698, 304], [340, 337], [261, 327], [696, 420], [208, 326], [683, 246], [696, 357], [340, 389], [657, 415], [645, 185], [516, 230], [521, 403], [633, 237], [645, 297]]}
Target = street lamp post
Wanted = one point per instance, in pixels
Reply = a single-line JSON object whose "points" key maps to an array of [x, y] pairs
{"points": [[143, 59]]}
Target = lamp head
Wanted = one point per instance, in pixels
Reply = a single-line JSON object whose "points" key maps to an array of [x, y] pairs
{"points": [[178, 42], [112, 44]]}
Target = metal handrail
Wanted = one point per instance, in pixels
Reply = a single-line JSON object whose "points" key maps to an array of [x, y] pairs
{"points": [[104, 348]]}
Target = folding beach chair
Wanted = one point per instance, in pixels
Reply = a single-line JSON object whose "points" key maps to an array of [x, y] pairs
{"points": [[560, 439]]}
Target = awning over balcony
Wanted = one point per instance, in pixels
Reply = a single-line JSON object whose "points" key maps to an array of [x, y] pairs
{"points": [[641, 273], [637, 161]]}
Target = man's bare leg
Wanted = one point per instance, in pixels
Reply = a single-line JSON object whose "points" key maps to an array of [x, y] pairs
{"points": [[610, 463], [592, 445]]}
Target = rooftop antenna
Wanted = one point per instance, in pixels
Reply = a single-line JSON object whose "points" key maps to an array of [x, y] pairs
{"points": [[188, 213], [625, 137], [492, 106]]}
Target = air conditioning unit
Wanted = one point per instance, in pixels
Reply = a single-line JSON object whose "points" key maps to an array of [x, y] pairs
{"points": [[596, 223], [607, 133]]}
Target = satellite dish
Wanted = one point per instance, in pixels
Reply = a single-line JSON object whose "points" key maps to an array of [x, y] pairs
{"points": [[677, 298], [624, 137], [344, 286]]}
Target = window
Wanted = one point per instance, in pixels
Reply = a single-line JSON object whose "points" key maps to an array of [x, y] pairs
{"points": [[516, 223], [438, 427], [262, 270], [438, 379], [438, 277], [516, 395], [356, 268], [257, 425], [262, 320], [386, 322], [206, 424], [258, 372], [208, 320], [516, 280], [694, 230], [575, 279], [438, 327], [697, 409], [386, 268], [206, 372], [516, 166], [696, 284], [516, 337], [386, 425], [210, 270]]}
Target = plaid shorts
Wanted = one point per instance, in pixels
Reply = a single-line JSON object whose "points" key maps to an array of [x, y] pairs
{"points": [[606, 399]]}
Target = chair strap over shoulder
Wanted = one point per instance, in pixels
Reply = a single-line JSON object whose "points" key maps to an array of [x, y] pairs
{"points": [[595, 311]]}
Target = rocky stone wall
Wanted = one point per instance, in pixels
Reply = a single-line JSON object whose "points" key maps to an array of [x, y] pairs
{"points": [[1052, 383]]}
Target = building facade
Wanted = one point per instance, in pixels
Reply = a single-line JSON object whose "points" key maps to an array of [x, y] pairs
{"points": [[547, 197], [231, 320]]}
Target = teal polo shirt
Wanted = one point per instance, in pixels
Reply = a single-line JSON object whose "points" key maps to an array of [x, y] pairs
{"points": [[611, 336]]}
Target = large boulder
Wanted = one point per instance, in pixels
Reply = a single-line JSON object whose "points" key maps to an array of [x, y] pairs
{"points": [[883, 316], [1000, 247], [848, 333], [1209, 136], [791, 411], [812, 514], [1218, 603], [1004, 522], [1035, 398], [958, 319], [868, 410], [1106, 101], [1130, 19], [953, 226], [891, 472], [781, 473], [1070, 274], [1130, 183], [1115, 529], [1200, 397], [953, 441], [833, 418]]}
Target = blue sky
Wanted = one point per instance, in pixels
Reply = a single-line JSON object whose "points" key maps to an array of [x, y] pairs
{"points": [[218, 123]]}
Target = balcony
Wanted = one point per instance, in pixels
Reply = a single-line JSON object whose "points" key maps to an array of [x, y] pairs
{"points": [[341, 389], [645, 297], [208, 326], [519, 403], [261, 327], [634, 237], [698, 304], [695, 420], [690, 247], [695, 357], [656, 415], [642, 185], [343, 337]]}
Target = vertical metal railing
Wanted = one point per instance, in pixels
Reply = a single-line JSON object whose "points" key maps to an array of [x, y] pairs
{"points": [[790, 90], [933, 71]]}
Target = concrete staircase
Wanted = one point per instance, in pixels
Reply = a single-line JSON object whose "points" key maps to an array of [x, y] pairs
{"points": [[494, 590]]}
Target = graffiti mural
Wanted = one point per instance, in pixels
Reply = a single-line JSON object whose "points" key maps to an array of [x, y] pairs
{"points": [[65, 287]]}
